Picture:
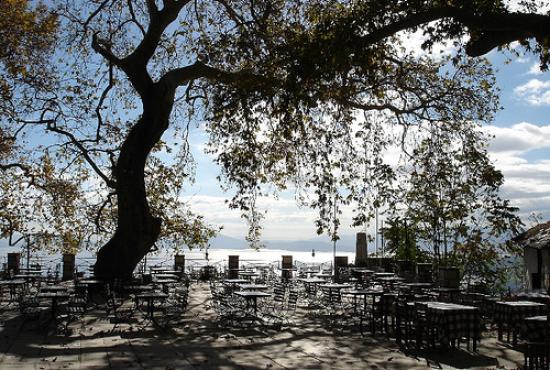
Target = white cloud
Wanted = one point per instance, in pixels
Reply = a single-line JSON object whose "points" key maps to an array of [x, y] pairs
{"points": [[535, 92], [518, 139], [526, 182]]}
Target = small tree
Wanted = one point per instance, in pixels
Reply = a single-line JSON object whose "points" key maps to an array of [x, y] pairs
{"points": [[453, 198]]}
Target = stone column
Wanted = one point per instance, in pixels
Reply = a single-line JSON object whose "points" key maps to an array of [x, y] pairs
{"points": [[233, 265], [179, 262], [361, 252], [14, 260], [286, 266], [68, 266]]}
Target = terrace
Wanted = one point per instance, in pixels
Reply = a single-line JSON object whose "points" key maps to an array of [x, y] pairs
{"points": [[300, 320]]}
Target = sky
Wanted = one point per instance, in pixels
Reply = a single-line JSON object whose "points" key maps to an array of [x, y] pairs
{"points": [[520, 148]]}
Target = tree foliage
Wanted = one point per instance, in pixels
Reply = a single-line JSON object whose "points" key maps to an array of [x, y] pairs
{"points": [[291, 94]]}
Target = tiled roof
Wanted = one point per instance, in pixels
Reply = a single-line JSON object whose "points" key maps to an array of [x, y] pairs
{"points": [[535, 237]]}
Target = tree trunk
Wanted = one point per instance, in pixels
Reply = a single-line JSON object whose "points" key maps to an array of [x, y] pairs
{"points": [[137, 229]]}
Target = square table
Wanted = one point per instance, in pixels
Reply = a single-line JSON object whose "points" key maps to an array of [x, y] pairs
{"points": [[13, 285], [151, 297], [251, 297], [454, 321], [54, 296], [511, 314], [253, 287]]}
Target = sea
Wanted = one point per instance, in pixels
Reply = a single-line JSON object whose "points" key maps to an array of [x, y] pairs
{"points": [[193, 259]]}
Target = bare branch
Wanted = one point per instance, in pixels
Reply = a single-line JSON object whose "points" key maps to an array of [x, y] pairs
{"points": [[85, 153], [101, 100], [134, 18], [95, 13], [26, 170]]}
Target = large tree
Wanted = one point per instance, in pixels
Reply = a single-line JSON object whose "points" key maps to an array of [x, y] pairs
{"points": [[281, 87]]}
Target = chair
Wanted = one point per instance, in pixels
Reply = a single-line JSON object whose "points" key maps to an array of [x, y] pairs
{"points": [[30, 308], [175, 306], [404, 318], [123, 310], [330, 305], [74, 310], [422, 326], [227, 312], [283, 314]]}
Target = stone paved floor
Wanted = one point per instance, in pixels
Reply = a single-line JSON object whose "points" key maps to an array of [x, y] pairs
{"points": [[198, 343]]}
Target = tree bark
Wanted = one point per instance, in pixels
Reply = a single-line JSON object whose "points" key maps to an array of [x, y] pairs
{"points": [[137, 229]]}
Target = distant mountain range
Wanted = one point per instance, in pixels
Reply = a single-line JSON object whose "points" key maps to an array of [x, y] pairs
{"points": [[320, 244]]}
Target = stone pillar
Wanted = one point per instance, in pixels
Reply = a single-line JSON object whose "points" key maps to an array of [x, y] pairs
{"points": [[179, 262], [14, 260], [449, 277], [339, 261], [424, 272], [361, 252], [68, 266], [286, 266], [233, 265]]}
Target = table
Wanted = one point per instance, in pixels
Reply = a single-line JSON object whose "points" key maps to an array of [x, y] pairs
{"points": [[88, 283], [166, 271], [419, 286], [512, 314], [252, 286], [151, 297], [355, 293], [324, 275], [54, 296], [308, 273], [454, 321], [234, 282], [391, 280], [450, 291], [252, 296], [248, 274], [13, 284], [137, 288], [535, 297], [335, 287], [379, 275], [53, 288]]}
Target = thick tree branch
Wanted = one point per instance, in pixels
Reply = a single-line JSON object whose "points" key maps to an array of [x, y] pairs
{"points": [[182, 76], [488, 30], [101, 47]]}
